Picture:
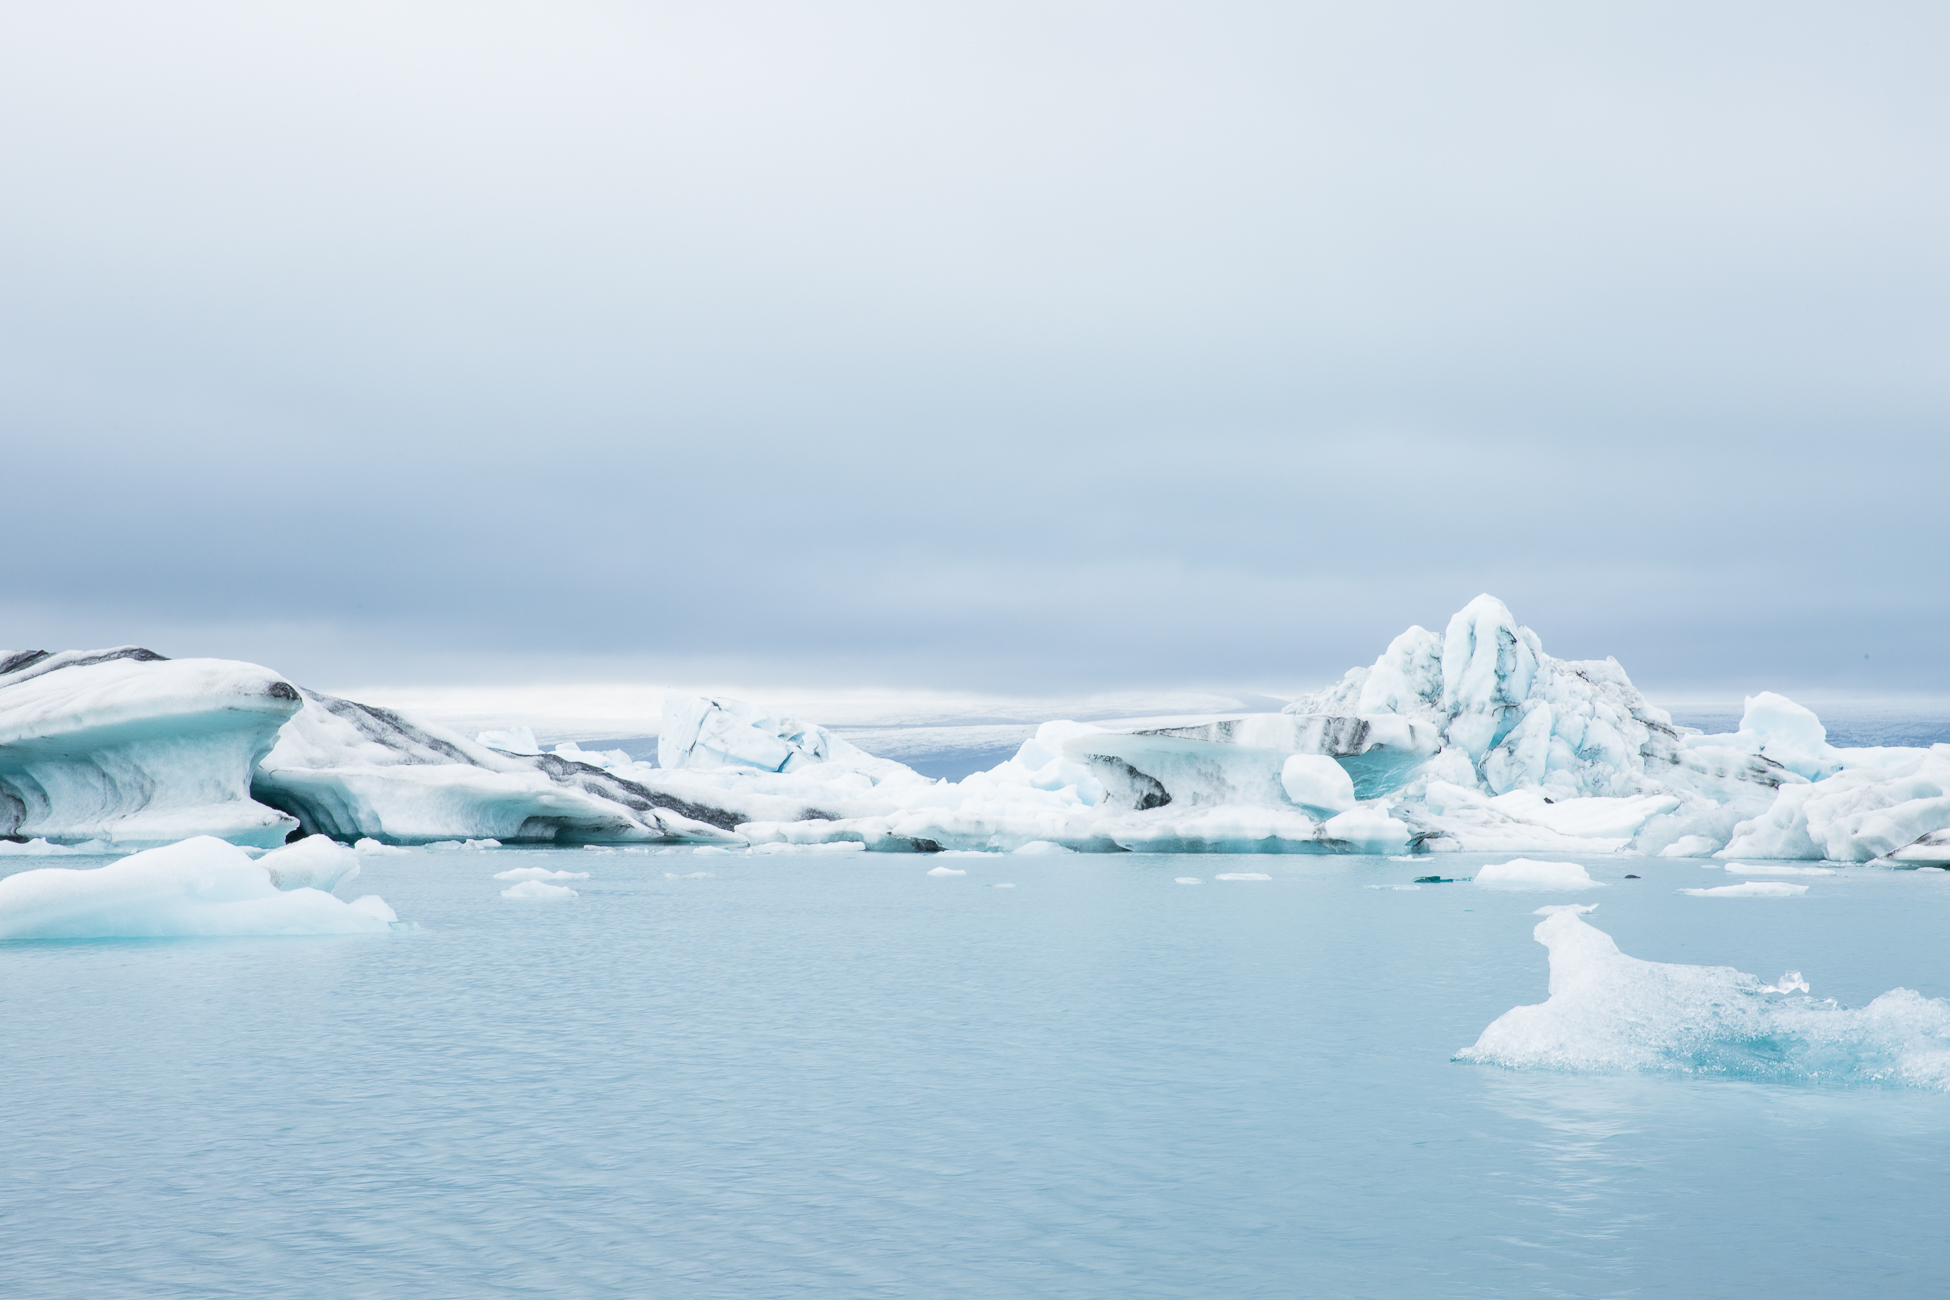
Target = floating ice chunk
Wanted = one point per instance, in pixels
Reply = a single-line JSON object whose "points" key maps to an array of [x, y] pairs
{"points": [[1750, 889], [1242, 875], [201, 886], [540, 873], [1791, 982], [514, 740], [1187, 880], [1036, 847], [1004, 886], [536, 889], [695, 875], [1931, 850], [597, 848], [711, 850], [374, 846], [42, 849], [1365, 829], [835, 846], [1777, 869], [1317, 783], [1690, 846], [1608, 1011], [946, 871], [1576, 909], [1524, 873]]}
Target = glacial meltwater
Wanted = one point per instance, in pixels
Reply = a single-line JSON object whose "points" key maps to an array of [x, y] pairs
{"points": [[837, 1074]]}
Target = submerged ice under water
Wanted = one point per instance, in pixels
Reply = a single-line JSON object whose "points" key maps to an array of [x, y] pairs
{"points": [[834, 1074]]}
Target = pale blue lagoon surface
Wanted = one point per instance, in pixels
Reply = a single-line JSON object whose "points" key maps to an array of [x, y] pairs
{"points": [[839, 1076]]}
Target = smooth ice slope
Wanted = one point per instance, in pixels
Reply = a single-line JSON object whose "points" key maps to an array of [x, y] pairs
{"points": [[201, 886], [125, 746], [352, 771], [1611, 1012]]}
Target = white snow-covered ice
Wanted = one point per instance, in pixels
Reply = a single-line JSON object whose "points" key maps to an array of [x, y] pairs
{"points": [[200, 886], [1611, 1012]]}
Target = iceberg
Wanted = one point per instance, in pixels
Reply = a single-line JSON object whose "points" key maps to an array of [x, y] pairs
{"points": [[1610, 1012], [126, 746], [199, 886], [1471, 739]]}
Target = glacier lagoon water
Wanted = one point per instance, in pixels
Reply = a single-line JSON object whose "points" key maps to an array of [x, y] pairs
{"points": [[840, 1076]]}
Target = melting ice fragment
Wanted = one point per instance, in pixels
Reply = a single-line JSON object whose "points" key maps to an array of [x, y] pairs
{"points": [[1750, 889], [945, 871], [1242, 875], [1524, 873], [200, 886], [540, 873], [1611, 1012], [537, 890]]}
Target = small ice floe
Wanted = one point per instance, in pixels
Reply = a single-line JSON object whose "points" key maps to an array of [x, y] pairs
{"points": [[1242, 875], [199, 886], [1042, 846], [537, 890], [597, 848], [540, 873], [1527, 873], [1750, 889], [695, 875], [1003, 886], [711, 849], [1575, 909], [1403, 889], [1186, 880], [43, 849], [374, 847], [463, 846], [1777, 869], [636, 850], [837, 846], [946, 871], [1690, 846]]}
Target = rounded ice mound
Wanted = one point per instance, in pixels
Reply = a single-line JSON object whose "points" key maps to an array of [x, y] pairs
{"points": [[1526, 873], [1317, 783], [536, 889], [201, 886], [315, 862]]}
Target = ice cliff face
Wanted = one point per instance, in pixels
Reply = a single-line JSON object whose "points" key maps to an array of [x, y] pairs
{"points": [[125, 746]]}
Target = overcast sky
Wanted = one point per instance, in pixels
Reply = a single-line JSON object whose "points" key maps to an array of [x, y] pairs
{"points": [[1001, 347]]}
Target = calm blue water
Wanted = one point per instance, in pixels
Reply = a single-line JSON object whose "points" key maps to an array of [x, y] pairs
{"points": [[842, 1077]]}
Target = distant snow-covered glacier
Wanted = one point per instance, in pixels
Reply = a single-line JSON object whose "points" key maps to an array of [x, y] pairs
{"points": [[1469, 739]]}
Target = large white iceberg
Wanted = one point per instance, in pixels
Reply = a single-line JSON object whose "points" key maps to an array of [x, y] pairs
{"points": [[200, 886], [125, 746]]}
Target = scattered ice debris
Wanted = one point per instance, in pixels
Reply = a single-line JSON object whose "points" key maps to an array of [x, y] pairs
{"points": [[1610, 1012], [695, 875], [706, 850], [1750, 889], [463, 846], [540, 873], [536, 889], [200, 886], [835, 846], [1004, 886], [597, 848], [636, 850], [1042, 847], [1242, 875], [375, 847], [41, 848], [1526, 873], [1187, 880], [1576, 909], [1405, 889], [946, 871], [1777, 869]]}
